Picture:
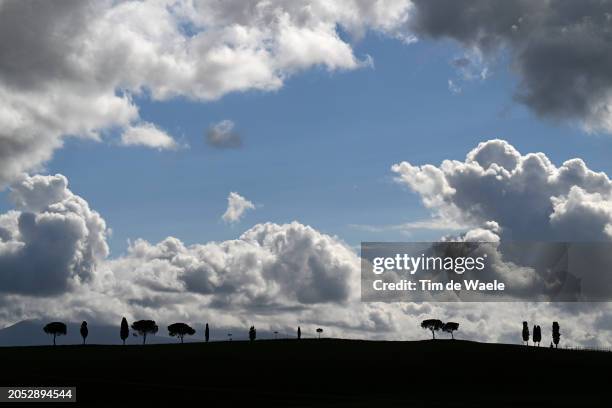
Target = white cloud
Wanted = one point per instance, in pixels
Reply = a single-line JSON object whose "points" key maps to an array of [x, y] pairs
{"points": [[434, 224], [148, 135], [527, 195], [506, 197], [274, 276], [222, 135], [70, 69], [237, 206], [53, 240]]}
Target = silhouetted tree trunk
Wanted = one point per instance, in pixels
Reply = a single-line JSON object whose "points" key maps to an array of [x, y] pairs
{"points": [[433, 333], [54, 338], [144, 338]]}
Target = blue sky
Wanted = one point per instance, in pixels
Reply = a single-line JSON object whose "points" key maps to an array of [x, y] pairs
{"points": [[318, 150], [321, 128]]}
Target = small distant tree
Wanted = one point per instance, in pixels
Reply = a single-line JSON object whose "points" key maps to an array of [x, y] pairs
{"points": [[180, 330], [56, 329], [319, 330], [432, 324], [275, 334], [124, 332], [84, 331], [252, 333], [206, 333], [525, 333], [229, 335], [537, 335], [556, 334], [450, 327], [145, 327], [299, 333]]}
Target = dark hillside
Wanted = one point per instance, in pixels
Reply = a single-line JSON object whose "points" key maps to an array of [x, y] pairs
{"points": [[334, 373]]}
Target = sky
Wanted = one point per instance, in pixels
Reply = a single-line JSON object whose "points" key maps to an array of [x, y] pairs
{"points": [[319, 150], [160, 156]]}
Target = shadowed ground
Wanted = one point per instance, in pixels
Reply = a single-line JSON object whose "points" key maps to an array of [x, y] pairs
{"points": [[327, 372]]}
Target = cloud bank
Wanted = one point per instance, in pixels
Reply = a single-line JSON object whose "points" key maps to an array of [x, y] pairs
{"points": [[55, 265]]}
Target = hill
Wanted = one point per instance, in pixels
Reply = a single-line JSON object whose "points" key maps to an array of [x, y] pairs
{"points": [[327, 372]]}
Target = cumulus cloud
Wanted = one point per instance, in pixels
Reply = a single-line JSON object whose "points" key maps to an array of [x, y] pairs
{"points": [[527, 195], [237, 206], [269, 264], [71, 68], [52, 241], [223, 136], [148, 135], [560, 49], [507, 196], [54, 264]]}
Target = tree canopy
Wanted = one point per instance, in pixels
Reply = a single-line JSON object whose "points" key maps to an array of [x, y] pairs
{"points": [[180, 330], [144, 327], [124, 332], [319, 330], [537, 334], [556, 333], [84, 331], [526, 333], [432, 324], [56, 329], [450, 327]]}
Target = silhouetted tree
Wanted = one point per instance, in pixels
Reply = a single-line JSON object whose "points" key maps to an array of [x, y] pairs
{"points": [[56, 329], [180, 330], [125, 330], [84, 331], [432, 324], [319, 330], [275, 334], [556, 333], [144, 327], [252, 333], [525, 333], [537, 335], [230, 336], [299, 333], [206, 333], [450, 327]]}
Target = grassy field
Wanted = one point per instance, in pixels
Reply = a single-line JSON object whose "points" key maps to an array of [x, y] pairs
{"points": [[326, 372]]}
